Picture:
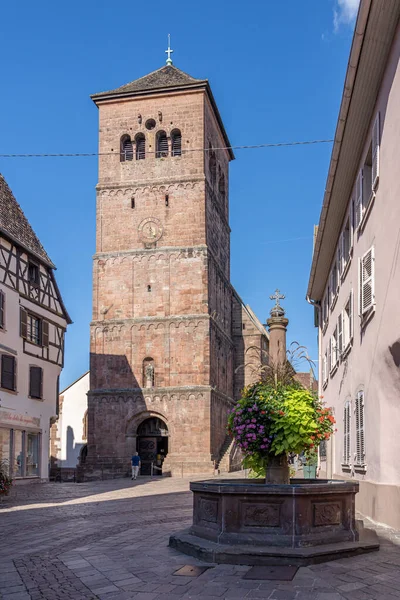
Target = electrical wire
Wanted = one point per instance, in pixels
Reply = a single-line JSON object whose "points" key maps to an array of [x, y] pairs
{"points": [[91, 154]]}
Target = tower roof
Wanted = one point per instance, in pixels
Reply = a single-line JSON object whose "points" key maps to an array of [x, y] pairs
{"points": [[15, 225], [168, 79]]}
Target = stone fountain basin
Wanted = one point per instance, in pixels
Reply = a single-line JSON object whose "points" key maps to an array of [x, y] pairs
{"points": [[244, 521]]}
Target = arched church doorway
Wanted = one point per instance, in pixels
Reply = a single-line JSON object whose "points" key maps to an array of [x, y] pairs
{"points": [[152, 445]]}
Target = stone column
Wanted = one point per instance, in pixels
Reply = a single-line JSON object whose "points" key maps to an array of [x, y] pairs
{"points": [[277, 324]]}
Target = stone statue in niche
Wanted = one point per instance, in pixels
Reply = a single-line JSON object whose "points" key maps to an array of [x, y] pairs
{"points": [[149, 375]]}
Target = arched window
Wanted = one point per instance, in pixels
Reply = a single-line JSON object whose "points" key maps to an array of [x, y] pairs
{"points": [[212, 165], [126, 152], [176, 143], [148, 373], [140, 146], [161, 145]]}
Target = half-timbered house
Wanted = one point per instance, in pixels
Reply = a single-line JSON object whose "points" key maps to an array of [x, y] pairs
{"points": [[33, 320]]}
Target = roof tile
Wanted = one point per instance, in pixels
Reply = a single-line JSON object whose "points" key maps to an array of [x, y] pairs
{"points": [[14, 223]]}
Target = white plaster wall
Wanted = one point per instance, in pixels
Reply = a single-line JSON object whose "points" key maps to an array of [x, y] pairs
{"points": [[74, 406], [369, 364], [18, 403]]}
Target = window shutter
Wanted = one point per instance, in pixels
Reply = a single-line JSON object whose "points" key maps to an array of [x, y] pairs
{"points": [[367, 281], [359, 198], [162, 145], [340, 335], [351, 225], [35, 382], [177, 144], [127, 149], [375, 152], [23, 323], [360, 438], [346, 429], [351, 319], [7, 372], [325, 367], [340, 256], [140, 147], [2, 303], [45, 333]]}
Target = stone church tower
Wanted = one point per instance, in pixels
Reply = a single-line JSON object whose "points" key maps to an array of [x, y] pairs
{"points": [[168, 330]]}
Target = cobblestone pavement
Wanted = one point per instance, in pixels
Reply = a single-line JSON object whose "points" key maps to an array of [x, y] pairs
{"points": [[108, 540]]}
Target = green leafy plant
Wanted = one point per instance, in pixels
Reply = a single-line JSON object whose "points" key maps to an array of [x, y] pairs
{"points": [[5, 480], [271, 420]]}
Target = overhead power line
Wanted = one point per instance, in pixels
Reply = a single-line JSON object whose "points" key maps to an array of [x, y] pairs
{"points": [[86, 154]]}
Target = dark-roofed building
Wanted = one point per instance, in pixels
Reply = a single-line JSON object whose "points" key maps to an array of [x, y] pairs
{"points": [[171, 341], [33, 320]]}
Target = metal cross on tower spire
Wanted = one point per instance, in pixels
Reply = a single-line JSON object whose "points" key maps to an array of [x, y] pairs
{"points": [[277, 296], [169, 51], [277, 309]]}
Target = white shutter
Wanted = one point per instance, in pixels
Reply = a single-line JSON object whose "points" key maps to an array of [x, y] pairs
{"points": [[375, 152], [340, 336], [346, 432], [325, 368], [359, 287], [329, 361], [351, 225], [351, 319], [367, 281], [360, 437], [359, 198], [333, 350], [340, 257]]}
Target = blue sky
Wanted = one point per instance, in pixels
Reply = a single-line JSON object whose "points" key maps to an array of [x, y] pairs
{"points": [[277, 71]]}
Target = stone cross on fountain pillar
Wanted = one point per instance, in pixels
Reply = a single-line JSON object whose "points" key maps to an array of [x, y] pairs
{"points": [[277, 324]]}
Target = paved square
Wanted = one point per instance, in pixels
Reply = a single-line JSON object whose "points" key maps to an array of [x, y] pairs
{"points": [[109, 540]]}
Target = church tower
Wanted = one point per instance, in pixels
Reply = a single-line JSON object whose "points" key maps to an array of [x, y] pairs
{"points": [[162, 347]]}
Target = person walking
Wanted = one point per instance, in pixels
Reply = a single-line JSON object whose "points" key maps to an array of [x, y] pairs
{"points": [[135, 465]]}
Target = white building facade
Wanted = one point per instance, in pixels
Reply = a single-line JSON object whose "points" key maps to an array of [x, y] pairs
{"points": [[33, 321], [69, 431], [355, 274]]}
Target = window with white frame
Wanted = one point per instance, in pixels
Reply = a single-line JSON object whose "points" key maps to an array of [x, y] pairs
{"points": [[325, 367], [368, 177], [346, 240], [333, 354], [347, 322], [325, 309], [360, 430], [347, 434], [366, 282], [339, 335], [334, 283]]}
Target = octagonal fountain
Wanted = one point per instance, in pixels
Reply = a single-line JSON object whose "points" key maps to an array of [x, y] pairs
{"points": [[241, 521], [275, 520]]}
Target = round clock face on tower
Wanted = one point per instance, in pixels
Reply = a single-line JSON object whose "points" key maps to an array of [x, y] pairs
{"points": [[150, 230]]}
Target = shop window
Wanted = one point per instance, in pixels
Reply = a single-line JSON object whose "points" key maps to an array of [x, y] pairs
{"points": [[8, 372], [32, 454], [18, 462], [5, 449], [36, 382]]}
